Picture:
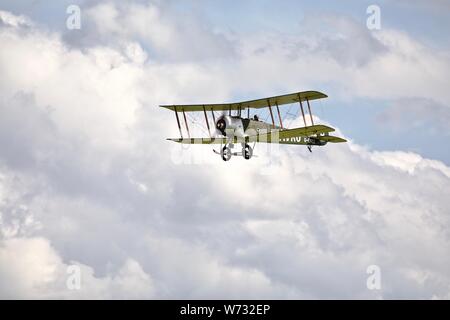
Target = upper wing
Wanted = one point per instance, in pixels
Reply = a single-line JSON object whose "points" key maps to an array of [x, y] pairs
{"points": [[254, 104]]}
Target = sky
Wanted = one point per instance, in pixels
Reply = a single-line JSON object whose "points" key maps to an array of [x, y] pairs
{"points": [[89, 183]]}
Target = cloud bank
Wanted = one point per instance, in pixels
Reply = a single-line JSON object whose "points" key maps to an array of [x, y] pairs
{"points": [[87, 178]]}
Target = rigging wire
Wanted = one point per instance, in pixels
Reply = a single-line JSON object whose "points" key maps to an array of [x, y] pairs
{"points": [[293, 115], [286, 116], [196, 123]]}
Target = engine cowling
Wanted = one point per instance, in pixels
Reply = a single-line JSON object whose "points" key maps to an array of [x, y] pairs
{"points": [[230, 126]]}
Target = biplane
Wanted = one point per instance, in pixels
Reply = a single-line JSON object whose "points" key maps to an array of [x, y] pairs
{"points": [[232, 127]]}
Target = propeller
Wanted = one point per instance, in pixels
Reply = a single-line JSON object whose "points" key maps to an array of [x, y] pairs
{"points": [[221, 125]]}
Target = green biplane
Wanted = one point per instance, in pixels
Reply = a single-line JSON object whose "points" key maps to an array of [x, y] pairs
{"points": [[231, 129]]}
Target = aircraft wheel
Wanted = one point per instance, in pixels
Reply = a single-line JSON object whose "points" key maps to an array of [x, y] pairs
{"points": [[226, 153], [247, 152]]}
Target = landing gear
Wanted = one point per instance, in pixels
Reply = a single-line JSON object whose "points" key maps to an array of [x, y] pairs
{"points": [[247, 152], [226, 153]]}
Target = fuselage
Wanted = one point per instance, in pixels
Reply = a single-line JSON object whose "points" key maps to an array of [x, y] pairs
{"points": [[242, 127]]}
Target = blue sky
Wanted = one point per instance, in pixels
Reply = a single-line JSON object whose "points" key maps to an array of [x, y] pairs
{"points": [[358, 119], [425, 20]]}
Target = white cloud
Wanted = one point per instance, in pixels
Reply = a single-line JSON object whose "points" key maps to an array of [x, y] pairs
{"points": [[31, 269], [86, 176], [12, 20], [170, 34]]}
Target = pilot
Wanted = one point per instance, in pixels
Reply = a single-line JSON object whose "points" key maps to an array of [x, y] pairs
{"points": [[255, 117]]}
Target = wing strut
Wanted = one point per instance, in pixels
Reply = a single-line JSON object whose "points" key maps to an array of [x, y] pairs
{"points": [[207, 122], [279, 116], [178, 122], [214, 117], [271, 113], [310, 113], [301, 107], [187, 127]]}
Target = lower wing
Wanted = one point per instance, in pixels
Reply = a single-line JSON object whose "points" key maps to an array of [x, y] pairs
{"points": [[302, 136]]}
